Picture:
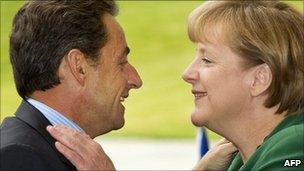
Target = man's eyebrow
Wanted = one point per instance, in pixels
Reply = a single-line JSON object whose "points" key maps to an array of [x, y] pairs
{"points": [[125, 53]]}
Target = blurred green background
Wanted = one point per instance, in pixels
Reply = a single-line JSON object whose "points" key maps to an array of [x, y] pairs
{"points": [[156, 32]]}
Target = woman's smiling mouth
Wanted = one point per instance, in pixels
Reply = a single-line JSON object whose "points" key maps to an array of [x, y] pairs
{"points": [[199, 94]]}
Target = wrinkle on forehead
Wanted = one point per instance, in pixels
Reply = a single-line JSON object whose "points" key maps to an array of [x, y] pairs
{"points": [[114, 29], [116, 39]]}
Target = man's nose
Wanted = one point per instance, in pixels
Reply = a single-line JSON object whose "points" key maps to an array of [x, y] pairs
{"points": [[190, 74], [134, 79]]}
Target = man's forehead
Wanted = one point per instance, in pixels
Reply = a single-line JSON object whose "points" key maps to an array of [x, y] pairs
{"points": [[116, 38], [112, 25]]}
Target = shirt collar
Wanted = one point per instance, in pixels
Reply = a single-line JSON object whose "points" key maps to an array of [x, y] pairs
{"points": [[54, 117]]}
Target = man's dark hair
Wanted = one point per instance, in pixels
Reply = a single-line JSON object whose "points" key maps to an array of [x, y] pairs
{"points": [[45, 31]]}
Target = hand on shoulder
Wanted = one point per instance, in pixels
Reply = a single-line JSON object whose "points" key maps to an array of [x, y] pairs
{"points": [[218, 157]]}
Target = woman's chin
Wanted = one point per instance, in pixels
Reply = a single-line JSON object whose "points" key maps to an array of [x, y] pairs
{"points": [[197, 119]]}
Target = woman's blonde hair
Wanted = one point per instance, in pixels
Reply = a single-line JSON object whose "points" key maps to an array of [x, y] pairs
{"points": [[260, 32]]}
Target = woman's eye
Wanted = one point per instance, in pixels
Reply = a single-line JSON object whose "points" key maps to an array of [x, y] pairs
{"points": [[206, 61]]}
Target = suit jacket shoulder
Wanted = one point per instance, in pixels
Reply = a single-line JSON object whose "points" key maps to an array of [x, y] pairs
{"points": [[22, 157], [26, 145]]}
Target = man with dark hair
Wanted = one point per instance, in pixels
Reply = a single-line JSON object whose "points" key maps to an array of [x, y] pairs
{"points": [[70, 66]]}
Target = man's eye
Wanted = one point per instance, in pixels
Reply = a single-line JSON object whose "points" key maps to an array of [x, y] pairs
{"points": [[122, 64]]}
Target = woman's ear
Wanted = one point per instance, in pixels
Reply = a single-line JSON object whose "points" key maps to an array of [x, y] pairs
{"points": [[77, 63], [261, 79]]}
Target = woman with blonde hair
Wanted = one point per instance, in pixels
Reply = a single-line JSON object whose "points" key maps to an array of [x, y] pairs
{"points": [[247, 79]]}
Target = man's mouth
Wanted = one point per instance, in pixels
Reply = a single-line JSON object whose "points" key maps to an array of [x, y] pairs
{"points": [[123, 97]]}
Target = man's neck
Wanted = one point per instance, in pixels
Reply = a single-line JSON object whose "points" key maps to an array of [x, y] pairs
{"points": [[56, 102]]}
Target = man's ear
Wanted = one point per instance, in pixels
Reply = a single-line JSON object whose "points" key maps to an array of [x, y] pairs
{"points": [[261, 79], [77, 63]]}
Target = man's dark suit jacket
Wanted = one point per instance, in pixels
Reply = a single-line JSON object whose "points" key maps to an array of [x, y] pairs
{"points": [[26, 145]]}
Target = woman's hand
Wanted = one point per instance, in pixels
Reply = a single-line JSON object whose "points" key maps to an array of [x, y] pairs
{"points": [[82, 151], [217, 158]]}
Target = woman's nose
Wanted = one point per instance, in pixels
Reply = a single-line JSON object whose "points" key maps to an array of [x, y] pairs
{"points": [[190, 74]]}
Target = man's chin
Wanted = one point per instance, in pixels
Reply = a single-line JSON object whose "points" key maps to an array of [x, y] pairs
{"points": [[115, 126], [119, 121]]}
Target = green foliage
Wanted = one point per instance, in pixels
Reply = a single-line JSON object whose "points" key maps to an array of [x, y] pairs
{"points": [[9, 97]]}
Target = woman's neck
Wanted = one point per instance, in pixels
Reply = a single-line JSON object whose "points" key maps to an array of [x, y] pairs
{"points": [[248, 131]]}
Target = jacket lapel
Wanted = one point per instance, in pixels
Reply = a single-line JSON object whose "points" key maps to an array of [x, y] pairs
{"points": [[37, 121]]}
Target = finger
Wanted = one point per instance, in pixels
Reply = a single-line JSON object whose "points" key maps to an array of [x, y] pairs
{"points": [[66, 130], [69, 131], [65, 133], [73, 157], [69, 138], [82, 143], [221, 141], [58, 134], [228, 148]]}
